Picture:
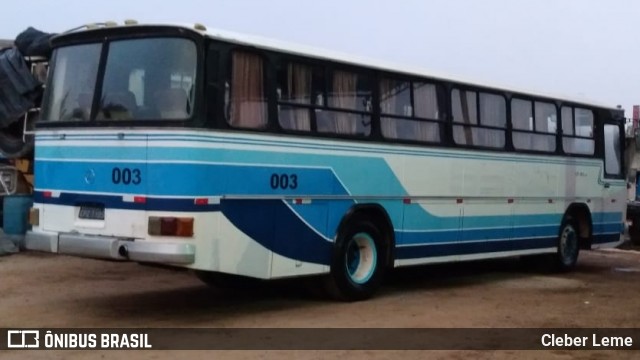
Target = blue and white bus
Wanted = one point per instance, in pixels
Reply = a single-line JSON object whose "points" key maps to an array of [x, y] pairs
{"points": [[236, 156]]}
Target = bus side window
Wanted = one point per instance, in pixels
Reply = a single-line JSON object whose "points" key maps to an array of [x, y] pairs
{"points": [[247, 105], [612, 149], [294, 91], [347, 97], [227, 99]]}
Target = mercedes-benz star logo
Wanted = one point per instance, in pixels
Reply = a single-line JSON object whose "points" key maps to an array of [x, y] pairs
{"points": [[89, 176]]}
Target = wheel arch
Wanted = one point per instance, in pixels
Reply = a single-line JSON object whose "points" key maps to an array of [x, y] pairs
{"points": [[581, 215], [380, 218]]}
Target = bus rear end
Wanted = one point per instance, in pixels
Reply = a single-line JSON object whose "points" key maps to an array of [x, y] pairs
{"points": [[107, 90]]}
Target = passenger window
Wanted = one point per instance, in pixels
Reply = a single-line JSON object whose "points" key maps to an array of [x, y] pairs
{"points": [[534, 125], [348, 109], [295, 94], [577, 133], [409, 110], [246, 105], [486, 129], [612, 149]]}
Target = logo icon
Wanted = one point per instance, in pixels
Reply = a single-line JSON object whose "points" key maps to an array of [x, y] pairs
{"points": [[89, 176], [23, 339]]}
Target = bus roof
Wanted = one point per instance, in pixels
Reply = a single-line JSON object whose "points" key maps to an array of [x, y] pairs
{"points": [[330, 55]]}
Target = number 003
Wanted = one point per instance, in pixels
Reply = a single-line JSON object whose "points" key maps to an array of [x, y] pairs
{"points": [[126, 176], [284, 181]]}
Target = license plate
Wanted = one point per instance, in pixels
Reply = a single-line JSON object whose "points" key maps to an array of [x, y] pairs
{"points": [[91, 212]]}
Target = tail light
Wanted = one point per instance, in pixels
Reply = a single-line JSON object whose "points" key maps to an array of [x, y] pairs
{"points": [[170, 226], [34, 216]]}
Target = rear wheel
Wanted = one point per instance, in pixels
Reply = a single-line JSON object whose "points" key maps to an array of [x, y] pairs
{"points": [[566, 255], [568, 246], [357, 263]]}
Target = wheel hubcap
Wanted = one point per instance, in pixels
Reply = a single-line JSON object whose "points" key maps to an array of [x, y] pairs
{"points": [[568, 244], [360, 258]]}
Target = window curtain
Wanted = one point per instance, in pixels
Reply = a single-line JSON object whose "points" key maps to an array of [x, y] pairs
{"points": [[425, 99], [464, 111], [248, 106], [522, 119], [344, 97], [299, 85], [492, 113], [388, 105], [567, 121]]}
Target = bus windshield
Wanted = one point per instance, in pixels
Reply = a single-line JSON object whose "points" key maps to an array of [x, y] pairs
{"points": [[143, 79]]}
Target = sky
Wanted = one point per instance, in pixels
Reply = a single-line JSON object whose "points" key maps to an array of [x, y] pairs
{"points": [[577, 48]]}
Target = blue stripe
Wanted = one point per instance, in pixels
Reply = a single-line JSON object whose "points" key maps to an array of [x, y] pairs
{"points": [[413, 238], [518, 232], [278, 228], [187, 179], [473, 248], [609, 217], [603, 239], [325, 215], [385, 149], [314, 176], [273, 225], [117, 202], [608, 228]]}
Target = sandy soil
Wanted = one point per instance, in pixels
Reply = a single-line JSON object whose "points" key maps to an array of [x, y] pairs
{"points": [[43, 290]]}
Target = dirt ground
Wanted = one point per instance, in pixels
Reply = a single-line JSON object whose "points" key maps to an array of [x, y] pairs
{"points": [[44, 290]]}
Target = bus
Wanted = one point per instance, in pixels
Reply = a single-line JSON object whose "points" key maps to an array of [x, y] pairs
{"points": [[240, 157]]}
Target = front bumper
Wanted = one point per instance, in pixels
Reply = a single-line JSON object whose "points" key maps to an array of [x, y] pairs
{"points": [[103, 247]]}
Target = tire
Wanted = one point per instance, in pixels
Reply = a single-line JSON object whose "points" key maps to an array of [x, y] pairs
{"points": [[226, 281], [12, 145], [566, 256], [357, 264]]}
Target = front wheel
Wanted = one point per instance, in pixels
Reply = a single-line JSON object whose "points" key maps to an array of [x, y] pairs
{"points": [[568, 246], [357, 263]]}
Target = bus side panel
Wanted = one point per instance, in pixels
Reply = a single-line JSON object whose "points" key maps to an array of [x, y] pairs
{"points": [[430, 229], [235, 252], [313, 215], [608, 232], [486, 234], [272, 225]]}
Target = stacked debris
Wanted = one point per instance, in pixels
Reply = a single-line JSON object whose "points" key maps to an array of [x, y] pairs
{"points": [[20, 90], [20, 97]]}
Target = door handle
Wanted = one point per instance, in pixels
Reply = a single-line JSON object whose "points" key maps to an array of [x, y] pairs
{"points": [[607, 185]]}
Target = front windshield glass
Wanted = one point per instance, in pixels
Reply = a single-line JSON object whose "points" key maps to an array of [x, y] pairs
{"points": [[144, 79], [72, 85]]}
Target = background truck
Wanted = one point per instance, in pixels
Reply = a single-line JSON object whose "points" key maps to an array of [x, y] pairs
{"points": [[633, 170]]}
